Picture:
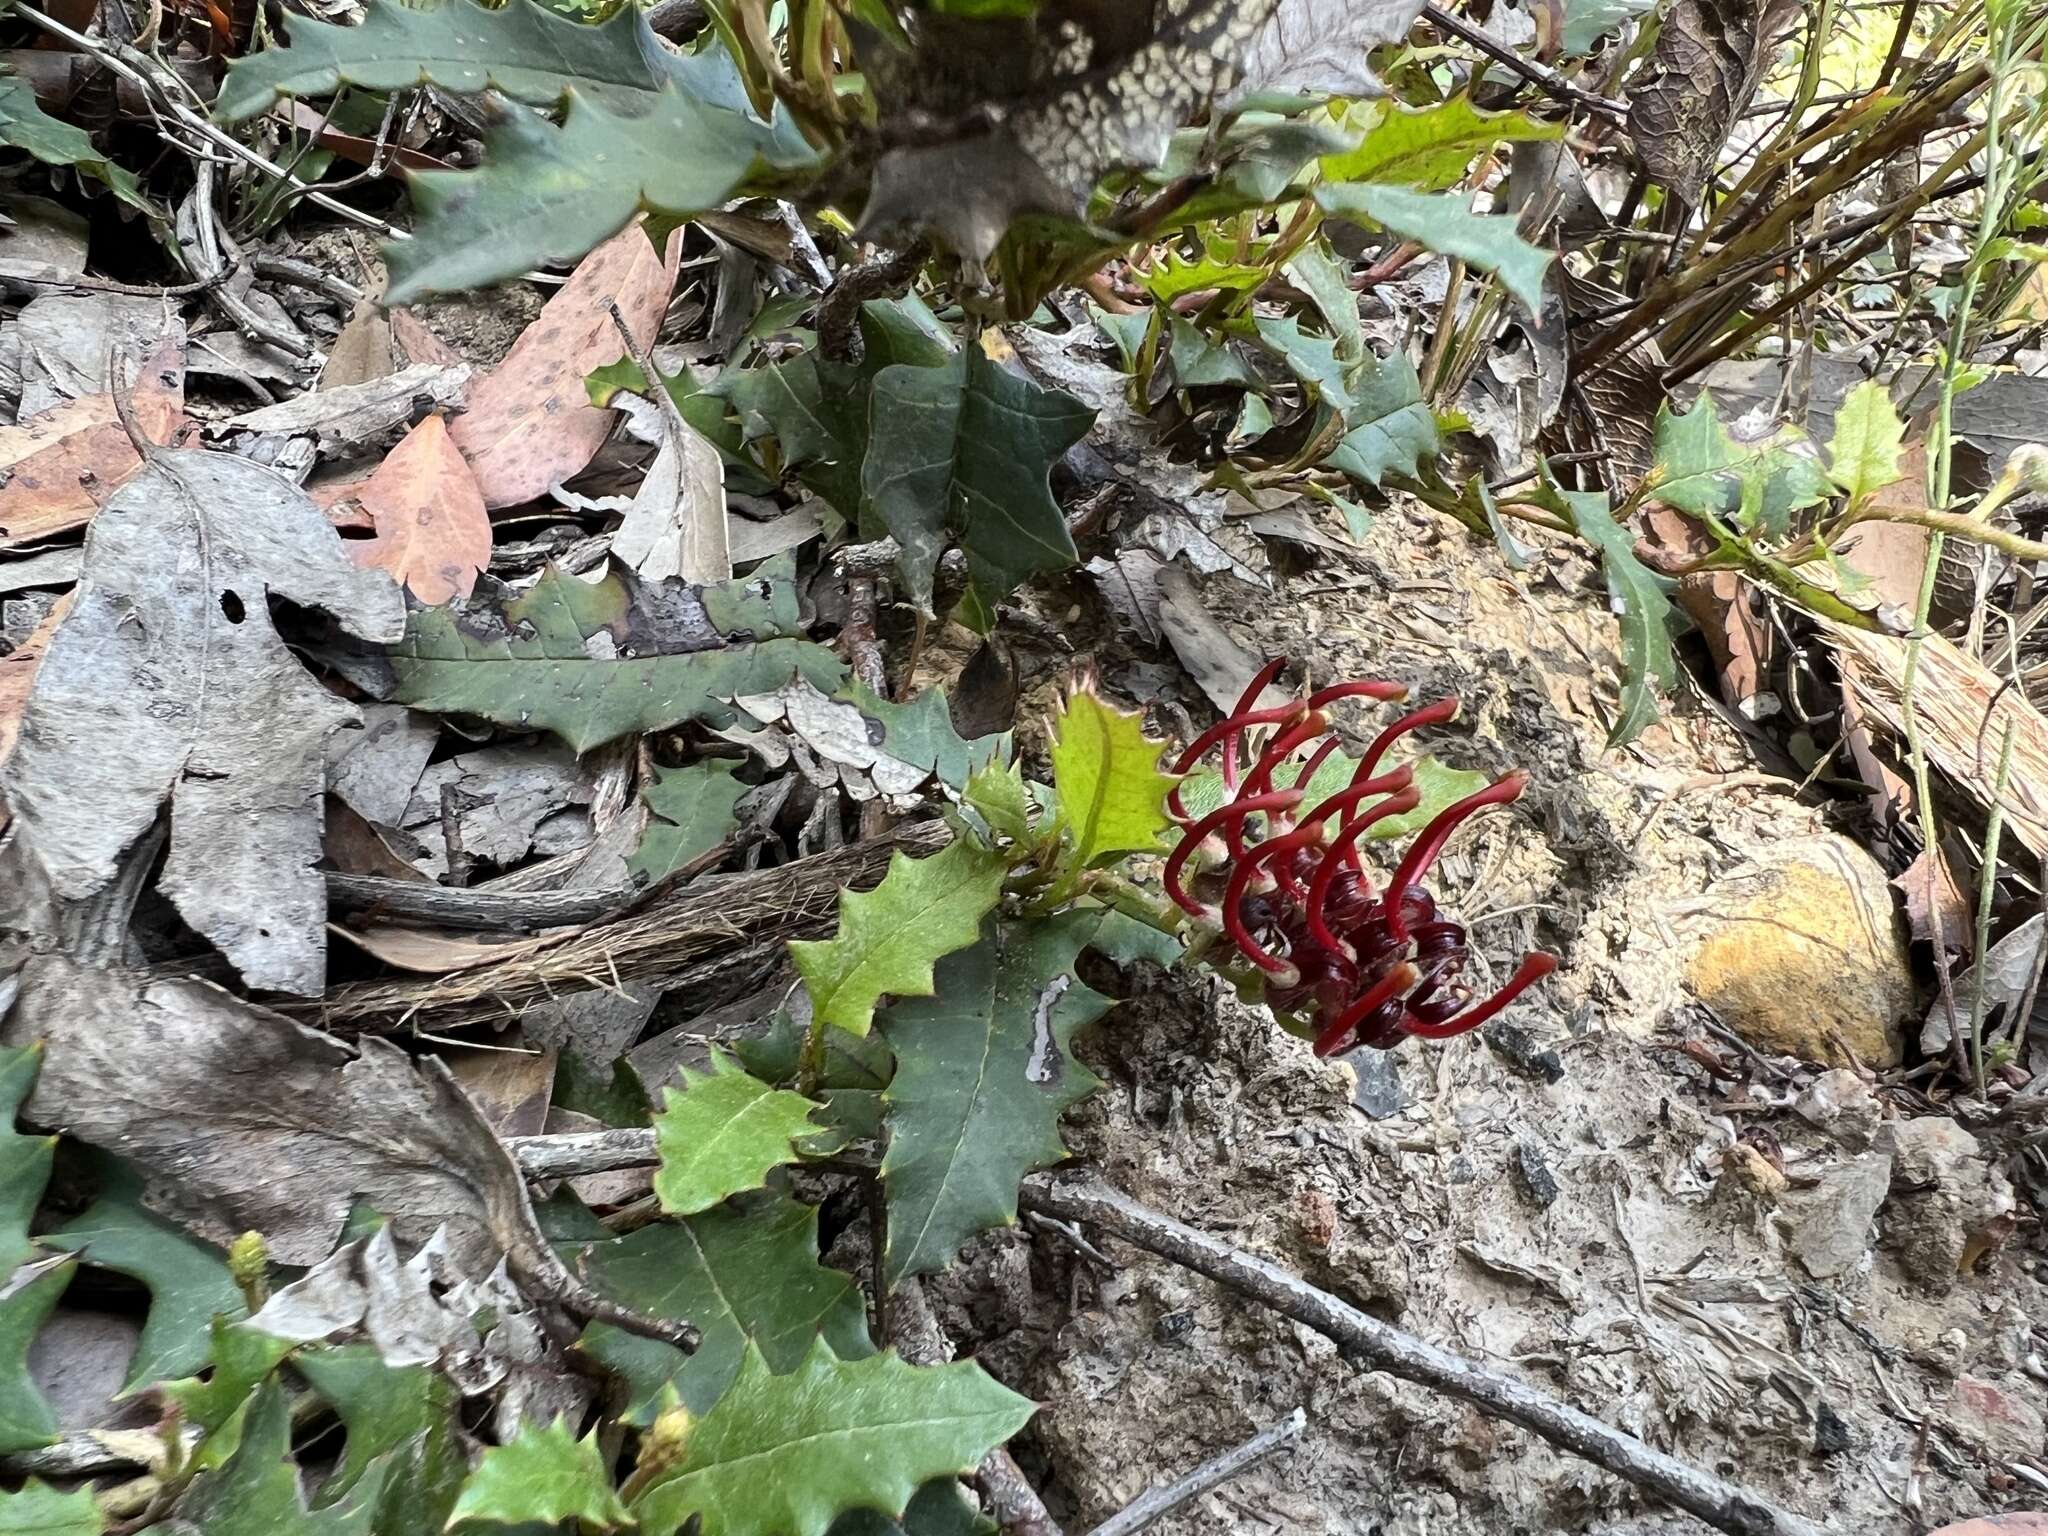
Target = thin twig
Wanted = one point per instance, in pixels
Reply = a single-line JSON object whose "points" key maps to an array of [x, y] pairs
{"points": [[839, 314], [1545, 79], [482, 910], [1376, 1345], [1147, 1507]]}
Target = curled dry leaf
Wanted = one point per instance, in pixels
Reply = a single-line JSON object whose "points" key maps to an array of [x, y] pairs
{"points": [[433, 534], [62, 465], [167, 682], [531, 425]]}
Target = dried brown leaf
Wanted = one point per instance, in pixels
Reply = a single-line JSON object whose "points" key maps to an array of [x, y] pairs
{"points": [[433, 534]]}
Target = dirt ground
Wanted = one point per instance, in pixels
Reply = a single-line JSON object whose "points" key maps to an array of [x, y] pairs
{"points": [[1572, 1198]]}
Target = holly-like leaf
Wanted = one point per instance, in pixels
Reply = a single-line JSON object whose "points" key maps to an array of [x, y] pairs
{"points": [[965, 448], [895, 748], [1106, 772], [1179, 274], [722, 1134], [547, 1476], [523, 50], [1389, 427], [594, 662], [242, 1358], [984, 1070], [890, 937], [1700, 469], [745, 1274], [402, 1428], [25, 125], [783, 1455], [1444, 223], [1863, 455], [257, 1492], [26, 1420], [1641, 603], [37, 1509], [692, 814], [996, 794], [24, 1160], [1311, 359], [189, 1284], [1200, 362], [1429, 148]]}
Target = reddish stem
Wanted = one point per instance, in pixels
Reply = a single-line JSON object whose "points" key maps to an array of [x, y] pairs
{"points": [[1364, 688], [1281, 746], [1534, 968], [1439, 713], [1228, 729], [1507, 787], [1233, 811], [1348, 799], [1396, 981], [1240, 882], [1319, 888]]}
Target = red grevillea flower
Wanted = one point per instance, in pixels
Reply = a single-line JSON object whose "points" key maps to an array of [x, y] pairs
{"points": [[1284, 881]]}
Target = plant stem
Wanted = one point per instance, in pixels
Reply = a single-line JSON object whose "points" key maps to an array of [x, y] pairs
{"points": [[1987, 885]]}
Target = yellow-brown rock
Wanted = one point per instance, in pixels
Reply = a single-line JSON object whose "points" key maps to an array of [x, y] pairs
{"points": [[1803, 955]]}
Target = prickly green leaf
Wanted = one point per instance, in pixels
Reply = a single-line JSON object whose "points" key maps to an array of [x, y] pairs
{"points": [[1316, 269], [1431, 147], [921, 734], [851, 1061], [692, 814], [965, 448], [817, 411], [701, 405], [890, 938], [36, 1509], [256, 1493], [783, 1455], [1311, 359], [1179, 274], [402, 1427], [1106, 772], [1128, 333], [984, 1070], [1200, 362], [996, 794], [1389, 427], [242, 1358], [1863, 456], [531, 665], [24, 1160], [1641, 604], [26, 1420], [522, 50], [547, 1476], [1443, 222], [747, 1273], [25, 125], [722, 1134], [547, 194], [1700, 469], [189, 1284]]}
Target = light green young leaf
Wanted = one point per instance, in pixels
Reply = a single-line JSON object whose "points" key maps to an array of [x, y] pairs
{"points": [[996, 794], [1863, 456], [984, 1070], [1430, 147], [1642, 604], [722, 1134], [965, 448], [37, 1509], [1180, 274], [746, 1273], [530, 665], [545, 1476], [403, 1428], [692, 814], [24, 1160], [890, 938], [1391, 429], [257, 1492], [784, 1455], [25, 125], [189, 1284], [1106, 772], [1444, 223], [26, 1420]]}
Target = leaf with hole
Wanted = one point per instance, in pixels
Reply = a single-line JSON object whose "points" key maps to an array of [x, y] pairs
{"points": [[403, 1428]]}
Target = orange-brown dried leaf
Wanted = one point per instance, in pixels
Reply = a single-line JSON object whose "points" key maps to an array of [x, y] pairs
{"points": [[18, 677], [433, 534], [60, 466], [531, 425]]}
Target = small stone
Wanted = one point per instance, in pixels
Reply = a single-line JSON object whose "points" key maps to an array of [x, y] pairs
{"points": [[1521, 1050], [1376, 1088], [1948, 1203], [1830, 1432], [1747, 1172], [1828, 1227], [1840, 1103], [1533, 1170], [2002, 1422], [1174, 1327], [1803, 955]]}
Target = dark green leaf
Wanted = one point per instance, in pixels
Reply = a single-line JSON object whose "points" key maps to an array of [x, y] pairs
{"points": [[25, 125], [257, 1492], [783, 1455], [940, 1509], [26, 1420], [1701, 470], [1200, 362], [984, 1070], [692, 814], [1642, 605], [24, 1160], [1446, 224], [546, 1475], [851, 1061], [37, 1509], [747, 1272], [1389, 428], [402, 1428]]}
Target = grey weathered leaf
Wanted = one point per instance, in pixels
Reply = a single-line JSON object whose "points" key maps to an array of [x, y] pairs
{"points": [[355, 413], [1319, 48], [167, 681]]}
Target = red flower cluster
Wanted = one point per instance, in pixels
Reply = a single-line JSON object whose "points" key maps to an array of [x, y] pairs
{"points": [[1288, 888]]}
